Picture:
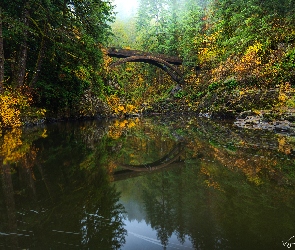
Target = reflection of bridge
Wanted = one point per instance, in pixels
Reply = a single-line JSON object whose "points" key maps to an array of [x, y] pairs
{"points": [[164, 62], [165, 161]]}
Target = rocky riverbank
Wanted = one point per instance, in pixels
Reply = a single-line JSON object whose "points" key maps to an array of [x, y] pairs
{"points": [[268, 120]]}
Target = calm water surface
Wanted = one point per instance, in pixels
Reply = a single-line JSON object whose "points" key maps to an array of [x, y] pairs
{"points": [[154, 183]]}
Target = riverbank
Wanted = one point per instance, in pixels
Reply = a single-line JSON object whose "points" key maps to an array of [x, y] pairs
{"points": [[279, 120], [264, 109], [251, 108]]}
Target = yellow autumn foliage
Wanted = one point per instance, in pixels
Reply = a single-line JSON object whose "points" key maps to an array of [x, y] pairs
{"points": [[107, 61], [209, 51], [82, 74], [11, 105], [250, 60], [14, 105], [286, 95], [118, 107], [240, 66]]}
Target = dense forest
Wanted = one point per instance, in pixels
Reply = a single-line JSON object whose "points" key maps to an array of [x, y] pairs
{"points": [[238, 56], [50, 56], [225, 185]]}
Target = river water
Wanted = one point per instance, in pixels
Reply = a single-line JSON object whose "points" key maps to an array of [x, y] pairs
{"points": [[147, 183]]}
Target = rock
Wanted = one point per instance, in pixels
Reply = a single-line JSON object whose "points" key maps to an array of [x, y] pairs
{"points": [[250, 121], [130, 115], [290, 118], [175, 90], [282, 126], [246, 114], [206, 115]]}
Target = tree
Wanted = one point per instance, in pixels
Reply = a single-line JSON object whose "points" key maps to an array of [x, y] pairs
{"points": [[54, 46], [191, 32], [243, 22], [1, 54]]}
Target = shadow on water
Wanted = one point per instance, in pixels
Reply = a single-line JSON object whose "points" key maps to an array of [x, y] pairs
{"points": [[154, 183]]}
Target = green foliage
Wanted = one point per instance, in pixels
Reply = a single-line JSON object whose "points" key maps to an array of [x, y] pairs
{"points": [[180, 94], [231, 83], [197, 96], [289, 60], [58, 45], [191, 29], [243, 22], [213, 86], [124, 34], [291, 102]]}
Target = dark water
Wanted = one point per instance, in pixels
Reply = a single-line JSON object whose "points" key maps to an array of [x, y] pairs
{"points": [[156, 183]]}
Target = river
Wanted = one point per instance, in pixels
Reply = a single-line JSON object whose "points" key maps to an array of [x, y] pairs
{"points": [[147, 183]]}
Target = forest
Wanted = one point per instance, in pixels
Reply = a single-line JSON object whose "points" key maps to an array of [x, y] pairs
{"points": [[206, 181], [237, 56]]}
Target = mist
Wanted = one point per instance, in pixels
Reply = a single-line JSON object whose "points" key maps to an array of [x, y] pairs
{"points": [[125, 8]]}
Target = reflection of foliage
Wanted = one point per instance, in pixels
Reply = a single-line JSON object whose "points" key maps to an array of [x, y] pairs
{"points": [[13, 147], [77, 196], [119, 126], [98, 215], [159, 208], [142, 142], [229, 188], [102, 224], [205, 198], [179, 201]]}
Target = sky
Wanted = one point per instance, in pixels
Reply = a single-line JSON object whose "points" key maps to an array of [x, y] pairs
{"points": [[125, 8]]}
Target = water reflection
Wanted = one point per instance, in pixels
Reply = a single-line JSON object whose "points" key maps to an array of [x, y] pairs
{"points": [[153, 183]]}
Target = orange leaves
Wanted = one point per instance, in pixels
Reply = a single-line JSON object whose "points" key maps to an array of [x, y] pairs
{"points": [[210, 182], [113, 102], [286, 96], [282, 97], [250, 61], [285, 144], [112, 166]]}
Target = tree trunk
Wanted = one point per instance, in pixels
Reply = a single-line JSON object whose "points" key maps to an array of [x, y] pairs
{"points": [[20, 69], [40, 58], [1, 55]]}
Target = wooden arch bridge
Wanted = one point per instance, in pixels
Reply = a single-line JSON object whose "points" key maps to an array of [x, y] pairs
{"points": [[166, 63]]}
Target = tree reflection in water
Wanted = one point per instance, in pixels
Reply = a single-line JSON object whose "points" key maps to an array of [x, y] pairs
{"points": [[62, 196], [228, 189], [226, 193]]}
